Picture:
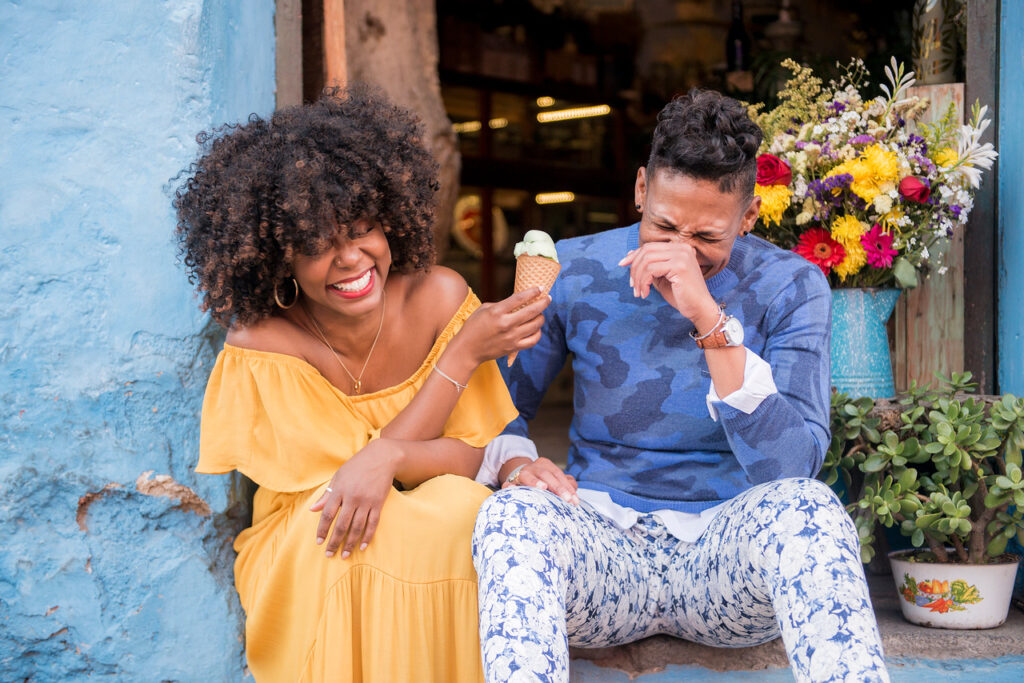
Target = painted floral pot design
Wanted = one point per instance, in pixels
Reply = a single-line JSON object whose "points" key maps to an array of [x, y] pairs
{"points": [[939, 596], [962, 596]]}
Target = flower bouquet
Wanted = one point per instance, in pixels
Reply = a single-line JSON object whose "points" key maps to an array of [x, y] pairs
{"points": [[849, 184]]}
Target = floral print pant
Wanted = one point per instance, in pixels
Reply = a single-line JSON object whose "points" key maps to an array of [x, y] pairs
{"points": [[780, 559]]}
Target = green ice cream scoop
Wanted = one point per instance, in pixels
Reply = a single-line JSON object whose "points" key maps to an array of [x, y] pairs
{"points": [[537, 243]]}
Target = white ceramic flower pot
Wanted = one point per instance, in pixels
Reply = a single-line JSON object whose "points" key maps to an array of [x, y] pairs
{"points": [[953, 595]]}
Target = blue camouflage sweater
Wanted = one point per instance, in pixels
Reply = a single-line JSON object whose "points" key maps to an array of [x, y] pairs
{"points": [[641, 429]]}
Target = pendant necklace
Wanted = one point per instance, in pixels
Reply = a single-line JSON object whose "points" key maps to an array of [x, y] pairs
{"points": [[356, 381]]}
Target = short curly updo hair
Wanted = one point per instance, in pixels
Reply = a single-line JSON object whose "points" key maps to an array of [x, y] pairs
{"points": [[263, 191], [708, 136]]}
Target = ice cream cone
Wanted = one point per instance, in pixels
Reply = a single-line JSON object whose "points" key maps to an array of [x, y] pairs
{"points": [[534, 271]]}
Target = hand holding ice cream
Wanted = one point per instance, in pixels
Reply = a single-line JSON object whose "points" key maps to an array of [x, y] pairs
{"points": [[536, 266]]}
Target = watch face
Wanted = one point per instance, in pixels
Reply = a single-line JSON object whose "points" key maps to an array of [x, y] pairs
{"points": [[733, 332]]}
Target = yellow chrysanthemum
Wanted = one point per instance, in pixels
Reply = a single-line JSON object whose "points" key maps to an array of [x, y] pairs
{"points": [[946, 157], [847, 231], [876, 170], [774, 202], [855, 259], [863, 184], [884, 165]]}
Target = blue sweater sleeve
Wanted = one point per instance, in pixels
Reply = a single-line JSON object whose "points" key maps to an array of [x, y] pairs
{"points": [[536, 367], [787, 435]]}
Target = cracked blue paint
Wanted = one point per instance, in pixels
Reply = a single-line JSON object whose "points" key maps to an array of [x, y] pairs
{"points": [[103, 352]]}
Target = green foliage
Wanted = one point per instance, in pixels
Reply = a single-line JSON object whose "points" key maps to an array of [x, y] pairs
{"points": [[802, 99], [948, 475], [944, 132]]}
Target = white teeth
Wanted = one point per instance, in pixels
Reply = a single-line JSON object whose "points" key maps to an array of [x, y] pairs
{"points": [[354, 285]]}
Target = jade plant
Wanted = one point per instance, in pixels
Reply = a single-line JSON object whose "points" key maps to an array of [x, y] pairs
{"points": [[941, 464]]}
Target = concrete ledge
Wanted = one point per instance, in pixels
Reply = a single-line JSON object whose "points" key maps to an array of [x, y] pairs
{"points": [[905, 645]]}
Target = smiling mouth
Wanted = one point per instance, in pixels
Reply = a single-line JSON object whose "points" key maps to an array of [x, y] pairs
{"points": [[352, 286]]}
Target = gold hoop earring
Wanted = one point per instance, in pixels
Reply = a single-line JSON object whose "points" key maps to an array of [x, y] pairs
{"points": [[277, 299]]}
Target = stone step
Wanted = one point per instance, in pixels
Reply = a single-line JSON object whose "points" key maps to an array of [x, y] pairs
{"points": [[993, 655]]}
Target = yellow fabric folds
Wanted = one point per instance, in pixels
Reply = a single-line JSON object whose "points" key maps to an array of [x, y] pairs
{"points": [[277, 420], [404, 609]]}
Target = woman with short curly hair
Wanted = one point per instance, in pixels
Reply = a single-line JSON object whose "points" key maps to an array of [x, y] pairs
{"points": [[352, 369]]}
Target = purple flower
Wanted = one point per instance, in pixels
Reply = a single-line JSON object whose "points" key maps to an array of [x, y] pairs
{"points": [[800, 144], [927, 167], [956, 210], [824, 190], [836, 107], [862, 140]]}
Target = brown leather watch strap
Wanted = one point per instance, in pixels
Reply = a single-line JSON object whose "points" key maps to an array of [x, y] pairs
{"points": [[715, 340]]}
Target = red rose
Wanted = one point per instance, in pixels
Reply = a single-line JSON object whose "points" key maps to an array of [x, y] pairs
{"points": [[914, 189], [772, 170]]}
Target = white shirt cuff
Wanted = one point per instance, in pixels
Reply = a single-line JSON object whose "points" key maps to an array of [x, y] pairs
{"points": [[758, 384], [499, 451]]}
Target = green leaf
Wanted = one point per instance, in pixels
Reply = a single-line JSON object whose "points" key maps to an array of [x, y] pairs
{"points": [[917, 538], [874, 463], [905, 273], [994, 500], [907, 478], [925, 521], [997, 546]]}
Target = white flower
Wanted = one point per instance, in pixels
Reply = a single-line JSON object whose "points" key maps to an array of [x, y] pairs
{"points": [[883, 203], [974, 155], [800, 186], [942, 270]]}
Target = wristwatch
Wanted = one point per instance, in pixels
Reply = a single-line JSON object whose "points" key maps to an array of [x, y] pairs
{"points": [[727, 332]]}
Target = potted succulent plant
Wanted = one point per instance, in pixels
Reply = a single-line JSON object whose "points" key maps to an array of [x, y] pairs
{"points": [[944, 466]]}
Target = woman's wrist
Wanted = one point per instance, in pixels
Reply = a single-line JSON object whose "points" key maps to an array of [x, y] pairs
{"points": [[395, 455], [456, 362]]}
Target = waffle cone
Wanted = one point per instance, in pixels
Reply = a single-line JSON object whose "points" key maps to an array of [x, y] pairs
{"points": [[534, 271]]}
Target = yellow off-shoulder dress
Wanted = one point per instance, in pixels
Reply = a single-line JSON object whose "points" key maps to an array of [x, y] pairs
{"points": [[404, 609]]}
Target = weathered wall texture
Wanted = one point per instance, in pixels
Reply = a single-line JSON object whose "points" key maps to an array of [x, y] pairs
{"points": [[116, 558]]}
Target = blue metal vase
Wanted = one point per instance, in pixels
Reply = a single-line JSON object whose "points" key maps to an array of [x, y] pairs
{"points": [[860, 345]]}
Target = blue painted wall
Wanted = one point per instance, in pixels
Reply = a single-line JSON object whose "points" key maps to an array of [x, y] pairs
{"points": [[1011, 201], [105, 569]]}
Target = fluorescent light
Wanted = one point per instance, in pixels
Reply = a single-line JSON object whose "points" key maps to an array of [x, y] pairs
{"points": [[574, 113], [475, 126], [545, 101], [554, 197]]}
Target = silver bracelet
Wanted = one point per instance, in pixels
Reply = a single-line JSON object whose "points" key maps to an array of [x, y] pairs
{"points": [[721, 317], [458, 387]]}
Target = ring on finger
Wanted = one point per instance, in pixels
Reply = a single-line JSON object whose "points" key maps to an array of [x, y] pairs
{"points": [[513, 476], [330, 490]]}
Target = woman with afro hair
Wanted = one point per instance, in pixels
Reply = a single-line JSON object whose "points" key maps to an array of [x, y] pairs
{"points": [[357, 388]]}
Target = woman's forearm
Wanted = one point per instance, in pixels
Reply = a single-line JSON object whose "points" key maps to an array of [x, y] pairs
{"points": [[418, 461], [428, 411]]}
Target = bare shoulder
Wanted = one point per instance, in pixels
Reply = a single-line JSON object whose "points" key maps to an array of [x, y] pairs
{"points": [[440, 290], [275, 334]]}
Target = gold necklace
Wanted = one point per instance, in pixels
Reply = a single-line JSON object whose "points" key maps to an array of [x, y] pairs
{"points": [[356, 381]]}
